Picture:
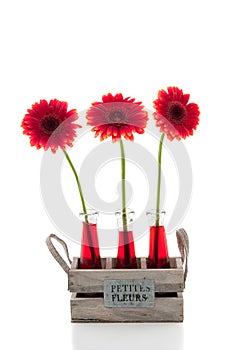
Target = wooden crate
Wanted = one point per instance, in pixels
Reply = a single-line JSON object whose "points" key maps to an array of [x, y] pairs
{"points": [[87, 287], [91, 301]]}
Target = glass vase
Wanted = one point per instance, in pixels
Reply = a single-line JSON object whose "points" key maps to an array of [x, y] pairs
{"points": [[90, 255], [126, 258], [158, 251]]}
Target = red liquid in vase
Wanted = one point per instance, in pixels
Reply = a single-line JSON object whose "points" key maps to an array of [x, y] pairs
{"points": [[90, 255], [158, 252], [126, 257]]}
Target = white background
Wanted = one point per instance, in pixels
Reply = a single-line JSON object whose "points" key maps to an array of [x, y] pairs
{"points": [[76, 51]]}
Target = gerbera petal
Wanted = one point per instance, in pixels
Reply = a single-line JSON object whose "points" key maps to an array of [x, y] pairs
{"points": [[118, 98], [128, 133], [114, 131], [185, 99], [108, 98], [109, 130], [139, 130]]}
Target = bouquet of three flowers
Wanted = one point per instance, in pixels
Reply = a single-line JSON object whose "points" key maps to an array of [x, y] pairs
{"points": [[52, 125]]}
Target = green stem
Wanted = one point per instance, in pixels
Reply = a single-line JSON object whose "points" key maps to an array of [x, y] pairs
{"points": [[78, 183], [124, 219], [159, 179], [89, 237]]}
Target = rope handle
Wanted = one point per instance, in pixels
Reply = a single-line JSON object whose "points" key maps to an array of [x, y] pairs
{"points": [[183, 245], [55, 253]]}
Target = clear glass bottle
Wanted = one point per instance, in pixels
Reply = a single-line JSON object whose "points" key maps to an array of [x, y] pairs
{"points": [[90, 255], [126, 257], [158, 251]]}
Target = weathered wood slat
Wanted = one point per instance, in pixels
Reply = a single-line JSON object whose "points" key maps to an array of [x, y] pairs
{"points": [[169, 309], [108, 263], [91, 281], [179, 264], [74, 264], [143, 263]]}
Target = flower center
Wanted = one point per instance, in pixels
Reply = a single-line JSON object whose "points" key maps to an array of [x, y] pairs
{"points": [[176, 111], [49, 123], [117, 116]]}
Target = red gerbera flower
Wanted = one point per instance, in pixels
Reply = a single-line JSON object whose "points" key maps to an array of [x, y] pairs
{"points": [[50, 125], [174, 115], [116, 116]]}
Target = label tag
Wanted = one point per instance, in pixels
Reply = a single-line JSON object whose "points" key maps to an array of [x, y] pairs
{"points": [[129, 293]]}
